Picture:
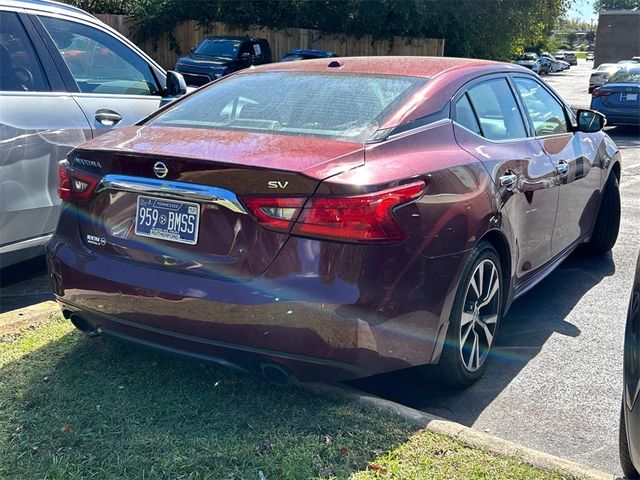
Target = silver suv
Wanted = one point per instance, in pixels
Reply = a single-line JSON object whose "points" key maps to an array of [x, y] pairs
{"points": [[65, 77]]}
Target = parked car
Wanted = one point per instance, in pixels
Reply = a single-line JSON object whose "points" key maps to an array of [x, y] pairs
{"points": [[529, 60], [555, 64], [630, 410], [569, 57], [215, 57], [65, 77], [388, 220], [625, 63], [619, 98], [294, 55], [602, 74], [546, 66], [590, 57]]}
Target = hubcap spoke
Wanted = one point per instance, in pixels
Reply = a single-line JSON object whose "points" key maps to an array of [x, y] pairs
{"points": [[494, 285], [474, 286], [473, 354], [466, 318], [487, 333], [491, 319], [463, 338]]}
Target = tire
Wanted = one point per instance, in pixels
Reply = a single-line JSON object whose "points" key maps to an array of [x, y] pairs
{"points": [[605, 230], [472, 326], [630, 472]]}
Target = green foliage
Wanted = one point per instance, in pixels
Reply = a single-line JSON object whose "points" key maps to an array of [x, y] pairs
{"points": [[487, 29], [615, 5]]}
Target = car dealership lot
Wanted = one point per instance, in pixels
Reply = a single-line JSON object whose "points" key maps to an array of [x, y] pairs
{"points": [[555, 382], [556, 378]]}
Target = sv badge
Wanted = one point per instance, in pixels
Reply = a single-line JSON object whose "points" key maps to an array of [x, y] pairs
{"points": [[277, 184]]}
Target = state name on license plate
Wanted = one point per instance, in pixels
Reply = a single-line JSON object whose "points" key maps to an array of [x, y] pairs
{"points": [[629, 97], [167, 219]]}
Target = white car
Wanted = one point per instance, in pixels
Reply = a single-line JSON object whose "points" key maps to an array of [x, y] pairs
{"points": [[529, 60], [601, 75]]}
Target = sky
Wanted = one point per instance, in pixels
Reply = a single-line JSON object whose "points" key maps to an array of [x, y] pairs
{"points": [[582, 10]]}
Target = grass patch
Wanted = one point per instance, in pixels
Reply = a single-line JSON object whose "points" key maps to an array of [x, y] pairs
{"points": [[75, 408]]}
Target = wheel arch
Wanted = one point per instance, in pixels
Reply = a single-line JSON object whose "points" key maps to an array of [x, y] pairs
{"points": [[499, 241], [616, 169]]}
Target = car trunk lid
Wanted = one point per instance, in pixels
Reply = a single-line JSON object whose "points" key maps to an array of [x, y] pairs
{"points": [[194, 180], [621, 95]]}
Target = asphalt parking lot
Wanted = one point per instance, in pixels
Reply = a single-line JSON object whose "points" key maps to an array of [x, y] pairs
{"points": [[555, 380]]}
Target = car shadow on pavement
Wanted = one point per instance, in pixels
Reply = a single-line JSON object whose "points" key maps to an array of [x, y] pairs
{"points": [[530, 322], [625, 136], [24, 284]]}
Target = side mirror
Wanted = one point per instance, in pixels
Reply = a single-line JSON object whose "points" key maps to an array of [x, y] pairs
{"points": [[176, 85], [245, 56], [192, 49], [590, 121]]}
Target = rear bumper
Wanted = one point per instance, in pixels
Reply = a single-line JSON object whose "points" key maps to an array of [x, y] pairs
{"points": [[323, 311]]}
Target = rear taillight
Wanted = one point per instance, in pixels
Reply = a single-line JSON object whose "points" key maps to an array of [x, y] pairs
{"points": [[600, 93], [360, 218], [275, 213], [74, 185]]}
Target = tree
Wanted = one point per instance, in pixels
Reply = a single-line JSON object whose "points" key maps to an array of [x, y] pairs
{"points": [[572, 38], [590, 37], [486, 29], [615, 5]]}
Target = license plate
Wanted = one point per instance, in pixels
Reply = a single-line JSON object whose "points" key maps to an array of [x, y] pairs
{"points": [[629, 97], [167, 220]]}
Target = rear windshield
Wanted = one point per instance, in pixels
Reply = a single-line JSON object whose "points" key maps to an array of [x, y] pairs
{"points": [[216, 47], [626, 76], [608, 68], [342, 106]]}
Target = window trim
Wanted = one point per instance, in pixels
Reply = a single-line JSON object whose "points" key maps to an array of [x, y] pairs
{"points": [[564, 106], [482, 79], [70, 82]]}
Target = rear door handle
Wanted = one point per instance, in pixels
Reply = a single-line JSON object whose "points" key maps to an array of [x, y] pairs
{"points": [[108, 118], [562, 168], [508, 180]]}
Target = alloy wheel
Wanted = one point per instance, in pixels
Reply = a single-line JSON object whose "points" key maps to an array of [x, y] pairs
{"points": [[479, 315]]}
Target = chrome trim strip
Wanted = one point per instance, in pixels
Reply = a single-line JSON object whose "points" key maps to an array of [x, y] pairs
{"points": [[178, 190], [31, 242]]}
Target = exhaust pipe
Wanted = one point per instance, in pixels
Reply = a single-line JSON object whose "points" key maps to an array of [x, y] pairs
{"points": [[275, 374], [84, 326]]}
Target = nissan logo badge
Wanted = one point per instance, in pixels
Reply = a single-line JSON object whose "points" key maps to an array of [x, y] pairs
{"points": [[160, 169]]}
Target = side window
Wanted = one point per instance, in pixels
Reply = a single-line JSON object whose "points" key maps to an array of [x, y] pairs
{"points": [[247, 47], [465, 115], [99, 62], [20, 69], [497, 110], [546, 113]]}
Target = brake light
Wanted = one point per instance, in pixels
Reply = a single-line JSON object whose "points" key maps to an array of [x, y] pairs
{"points": [[64, 183], [275, 213], [600, 93], [364, 218], [74, 185]]}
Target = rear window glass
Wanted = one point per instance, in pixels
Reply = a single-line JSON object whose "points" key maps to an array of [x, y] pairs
{"points": [[626, 76], [342, 106]]}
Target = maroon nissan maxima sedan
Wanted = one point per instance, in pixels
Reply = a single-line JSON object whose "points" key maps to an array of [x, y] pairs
{"points": [[333, 218]]}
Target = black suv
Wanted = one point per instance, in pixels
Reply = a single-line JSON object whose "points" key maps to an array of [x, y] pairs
{"points": [[215, 57]]}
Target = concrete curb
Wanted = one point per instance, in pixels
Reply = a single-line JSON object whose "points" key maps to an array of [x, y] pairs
{"points": [[464, 434], [14, 321]]}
